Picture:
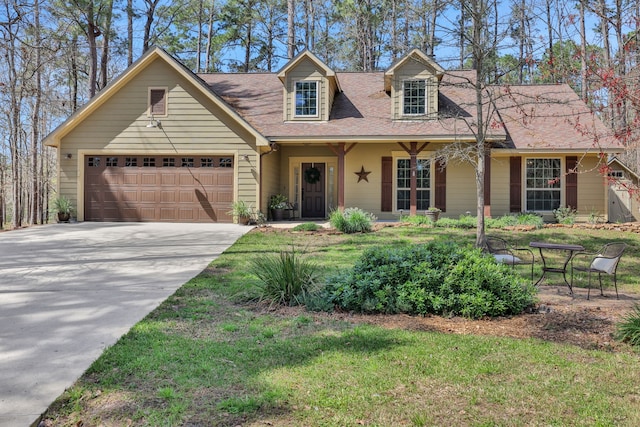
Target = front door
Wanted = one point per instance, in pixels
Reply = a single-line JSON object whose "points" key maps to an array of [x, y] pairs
{"points": [[313, 179]]}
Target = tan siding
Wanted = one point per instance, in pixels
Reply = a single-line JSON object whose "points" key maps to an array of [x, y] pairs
{"points": [[499, 186], [461, 189], [591, 188], [363, 194], [193, 124]]}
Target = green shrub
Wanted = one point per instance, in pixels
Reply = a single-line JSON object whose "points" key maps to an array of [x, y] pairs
{"points": [[352, 220], [306, 226], [417, 220], [464, 222], [284, 278], [524, 218], [629, 329], [565, 215], [437, 277]]}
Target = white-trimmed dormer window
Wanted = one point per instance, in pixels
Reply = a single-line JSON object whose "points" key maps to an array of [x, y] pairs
{"points": [[157, 102], [414, 97], [306, 97]]}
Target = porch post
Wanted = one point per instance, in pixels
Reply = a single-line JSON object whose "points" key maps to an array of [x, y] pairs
{"points": [[341, 154], [413, 165], [341, 151], [413, 151]]}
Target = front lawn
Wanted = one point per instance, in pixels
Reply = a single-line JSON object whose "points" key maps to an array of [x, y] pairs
{"points": [[209, 355]]}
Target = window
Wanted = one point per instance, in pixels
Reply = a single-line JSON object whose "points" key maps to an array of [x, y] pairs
{"points": [[414, 99], [225, 162], [403, 184], [206, 162], [157, 102], [93, 162], [543, 184], [306, 98], [131, 161], [187, 162], [168, 162], [112, 161], [149, 162]]}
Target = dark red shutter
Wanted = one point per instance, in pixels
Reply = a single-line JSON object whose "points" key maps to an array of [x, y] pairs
{"points": [[487, 180], [515, 184], [440, 197], [572, 182], [157, 101], [386, 202]]}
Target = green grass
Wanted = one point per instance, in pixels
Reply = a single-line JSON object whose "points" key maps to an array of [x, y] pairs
{"points": [[210, 356]]}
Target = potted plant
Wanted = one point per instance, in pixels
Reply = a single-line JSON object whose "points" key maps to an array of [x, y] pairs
{"points": [[433, 213], [242, 211], [278, 204], [63, 208]]}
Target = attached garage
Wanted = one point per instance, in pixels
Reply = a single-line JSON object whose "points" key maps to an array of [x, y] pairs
{"points": [[193, 188]]}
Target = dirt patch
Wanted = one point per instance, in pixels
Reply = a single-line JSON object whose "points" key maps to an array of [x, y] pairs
{"points": [[557, 317]]}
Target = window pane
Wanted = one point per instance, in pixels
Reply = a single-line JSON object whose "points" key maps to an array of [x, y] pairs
{"points": [[403, 201], [306, 99], [414, 99]]}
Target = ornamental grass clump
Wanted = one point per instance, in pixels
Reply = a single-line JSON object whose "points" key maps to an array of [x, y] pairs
{"points": [[629, 329], [434, 278], [352, 220], [284, 279]]}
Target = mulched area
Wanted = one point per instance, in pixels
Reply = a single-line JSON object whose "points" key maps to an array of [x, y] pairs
{"points": [[557, 317]]}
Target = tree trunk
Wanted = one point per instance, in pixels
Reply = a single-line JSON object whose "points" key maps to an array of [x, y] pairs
{"points": [[291, 37], [129, 32], [35, 115]]}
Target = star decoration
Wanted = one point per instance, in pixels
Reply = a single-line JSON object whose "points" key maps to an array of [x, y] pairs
{"points": [[362, 175]]}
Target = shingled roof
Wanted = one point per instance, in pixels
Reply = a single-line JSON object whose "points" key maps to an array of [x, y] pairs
{"points": [[536, 117]]}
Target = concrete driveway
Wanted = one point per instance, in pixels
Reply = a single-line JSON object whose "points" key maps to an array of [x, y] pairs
{"points": [[68, 291]]}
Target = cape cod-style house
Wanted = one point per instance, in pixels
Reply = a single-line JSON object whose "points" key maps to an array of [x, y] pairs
{"points": [[161, 143]]}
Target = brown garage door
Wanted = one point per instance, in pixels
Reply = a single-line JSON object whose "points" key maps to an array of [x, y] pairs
{"points": [[161, 188]]}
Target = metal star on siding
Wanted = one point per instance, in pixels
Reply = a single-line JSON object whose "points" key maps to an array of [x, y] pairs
{"points": [[362, 175]]}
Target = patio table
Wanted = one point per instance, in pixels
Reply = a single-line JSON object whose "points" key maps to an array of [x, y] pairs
{"points": [[571, 251]]}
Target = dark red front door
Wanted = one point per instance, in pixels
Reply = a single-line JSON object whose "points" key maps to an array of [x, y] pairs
{"points": [[313, 181]]}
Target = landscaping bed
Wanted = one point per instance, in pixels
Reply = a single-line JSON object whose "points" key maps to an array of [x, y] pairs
{"points": [[556, 318]]}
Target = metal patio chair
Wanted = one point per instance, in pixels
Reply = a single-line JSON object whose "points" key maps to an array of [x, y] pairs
{"points": [[604, 261], [505, 253]]}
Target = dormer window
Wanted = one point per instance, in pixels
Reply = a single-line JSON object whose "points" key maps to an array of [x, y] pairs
{"points": [[414, 98], [306, 99]]}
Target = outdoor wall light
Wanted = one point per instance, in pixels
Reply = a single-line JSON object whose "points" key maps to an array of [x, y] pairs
{"points": [[68, 155], [153, 123]]}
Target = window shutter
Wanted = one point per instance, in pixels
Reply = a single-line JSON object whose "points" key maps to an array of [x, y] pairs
{"points": [[515, 186], [487, 180], [440, 177], [386, 202], [572, 182], [157, 104]]}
